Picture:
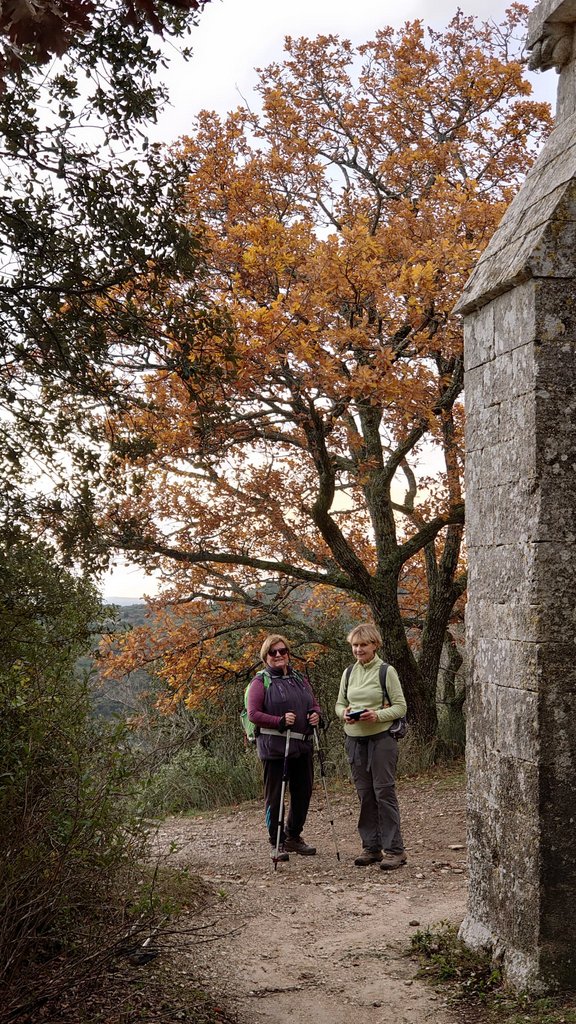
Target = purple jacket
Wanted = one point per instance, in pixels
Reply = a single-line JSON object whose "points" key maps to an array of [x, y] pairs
{"points": [[266, 706]]}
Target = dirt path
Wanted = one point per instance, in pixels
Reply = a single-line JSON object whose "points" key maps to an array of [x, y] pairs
{"points": [[321, 940]]}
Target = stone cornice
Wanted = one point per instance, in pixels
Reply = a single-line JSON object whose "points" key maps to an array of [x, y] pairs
{"points": [[533, 238], [551, 34]]}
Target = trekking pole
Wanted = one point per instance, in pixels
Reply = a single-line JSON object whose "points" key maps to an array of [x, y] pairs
{"points": [[323, 777], [282, 792]]}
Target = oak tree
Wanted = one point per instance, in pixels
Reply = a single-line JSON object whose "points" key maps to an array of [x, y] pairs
{"points": [[321, 450]]}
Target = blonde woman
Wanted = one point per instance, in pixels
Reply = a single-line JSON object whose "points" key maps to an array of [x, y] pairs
{"points": [[372, 751], [281, 698]]}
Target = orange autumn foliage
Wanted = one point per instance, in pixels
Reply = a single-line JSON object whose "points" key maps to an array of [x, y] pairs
{"points": [[321, 444]]}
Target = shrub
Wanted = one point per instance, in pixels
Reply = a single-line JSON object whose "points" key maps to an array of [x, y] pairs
{"points": [[67, 845], [195, 779]]}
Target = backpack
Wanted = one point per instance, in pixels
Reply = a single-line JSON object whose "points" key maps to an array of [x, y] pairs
{"points": [[399, 726], [251, 730]]}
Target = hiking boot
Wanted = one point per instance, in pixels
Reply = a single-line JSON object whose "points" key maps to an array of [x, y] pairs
{"points": [[390, 861], [282, 855], [299, 846], [368, 857]]}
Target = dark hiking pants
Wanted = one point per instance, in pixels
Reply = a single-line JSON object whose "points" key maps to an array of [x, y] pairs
{"points": [[300, 782]]}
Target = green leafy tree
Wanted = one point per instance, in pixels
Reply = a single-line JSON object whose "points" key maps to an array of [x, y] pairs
{"points": [[43, 28], [90, 227]]}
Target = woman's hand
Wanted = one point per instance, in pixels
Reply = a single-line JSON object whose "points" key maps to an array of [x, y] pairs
{"points": [[366, 716], [289, 718], [313, 719], [369, 716]]}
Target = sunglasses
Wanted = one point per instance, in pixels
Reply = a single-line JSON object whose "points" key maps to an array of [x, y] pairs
{"points": [[278, 650]]}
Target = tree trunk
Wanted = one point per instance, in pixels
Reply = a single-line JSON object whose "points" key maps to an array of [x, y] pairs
{"points": [[420, 691]]}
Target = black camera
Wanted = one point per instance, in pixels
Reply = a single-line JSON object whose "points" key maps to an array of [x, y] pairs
{"points": [[354, 716]]}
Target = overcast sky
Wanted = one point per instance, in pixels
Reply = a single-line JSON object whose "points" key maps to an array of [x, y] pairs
{"points": [[236, 36]]}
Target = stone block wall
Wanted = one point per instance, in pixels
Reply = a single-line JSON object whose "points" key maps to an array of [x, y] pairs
{"points": [[521, 628]]}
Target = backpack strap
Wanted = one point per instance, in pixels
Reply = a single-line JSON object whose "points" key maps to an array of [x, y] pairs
{"points": [[382, 672], [299, 676], [346, 681], [266, 680]]}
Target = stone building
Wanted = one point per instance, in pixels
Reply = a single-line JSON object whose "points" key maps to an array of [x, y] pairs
{"points": [[520, 349]]}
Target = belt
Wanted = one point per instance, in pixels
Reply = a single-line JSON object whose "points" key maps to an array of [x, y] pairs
{"points": [[276, 732]]}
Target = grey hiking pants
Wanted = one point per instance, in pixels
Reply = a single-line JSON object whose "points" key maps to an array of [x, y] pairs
{"points": [[373, 766]]}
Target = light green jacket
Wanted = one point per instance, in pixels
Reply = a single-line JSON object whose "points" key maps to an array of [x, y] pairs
{"points": [[365, 691]]}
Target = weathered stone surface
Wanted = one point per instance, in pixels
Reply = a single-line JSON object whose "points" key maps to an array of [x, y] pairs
{"points": [[515, 319], [516, 619], [566, 96], [558, 733], [480, 339], [506, 662], [555, 669], [549, 11], [551, 40], [499, 572], [508, 872], [520, 358]]}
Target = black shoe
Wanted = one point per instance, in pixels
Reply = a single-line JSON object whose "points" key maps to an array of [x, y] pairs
{"points": [[299, 846], [282, 855], [368, 857]]}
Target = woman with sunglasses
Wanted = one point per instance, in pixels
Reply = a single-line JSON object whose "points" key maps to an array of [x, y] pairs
{"points": [[281, 698]]}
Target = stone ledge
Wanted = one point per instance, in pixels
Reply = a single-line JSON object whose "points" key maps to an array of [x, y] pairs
{"points": [[545, 203]]}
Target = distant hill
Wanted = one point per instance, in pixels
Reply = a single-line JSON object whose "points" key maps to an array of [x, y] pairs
{"points": [[112, 697]]}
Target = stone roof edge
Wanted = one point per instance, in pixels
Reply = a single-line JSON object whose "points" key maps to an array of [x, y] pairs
{"points": [[506, 262]]}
